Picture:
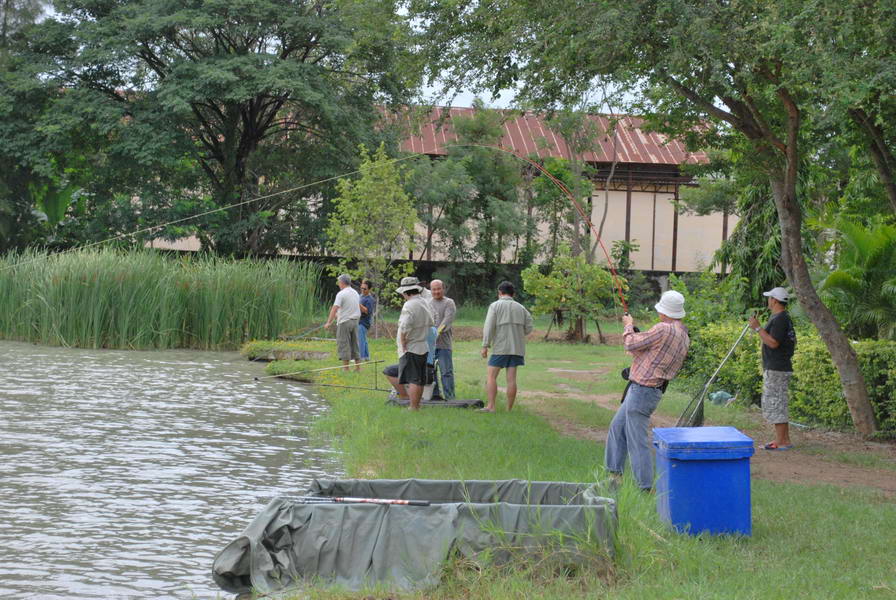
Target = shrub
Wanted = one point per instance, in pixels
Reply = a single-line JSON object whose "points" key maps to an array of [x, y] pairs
{"points": [[741, 375], [816, 395], [816, 392]]}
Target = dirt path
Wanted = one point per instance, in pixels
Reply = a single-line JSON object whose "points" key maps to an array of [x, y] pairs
{"points": [[812, 461]]}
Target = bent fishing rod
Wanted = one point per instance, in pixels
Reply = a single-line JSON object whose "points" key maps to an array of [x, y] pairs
{"points": [[576, 204]]}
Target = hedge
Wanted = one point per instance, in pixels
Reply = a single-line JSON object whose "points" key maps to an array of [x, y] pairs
{"points": [[816, 395]]}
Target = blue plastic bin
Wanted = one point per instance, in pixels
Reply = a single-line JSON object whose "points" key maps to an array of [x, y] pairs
{"points": [[703, 480]]}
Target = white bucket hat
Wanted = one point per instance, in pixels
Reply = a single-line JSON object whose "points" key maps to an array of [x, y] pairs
{"points": [[671, 304], [409, 283], [778, 293]]}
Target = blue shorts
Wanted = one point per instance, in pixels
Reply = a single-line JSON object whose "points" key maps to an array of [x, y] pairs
{"points": [[506, 360]]}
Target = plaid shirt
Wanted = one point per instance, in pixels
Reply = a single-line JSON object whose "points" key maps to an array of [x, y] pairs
{"points": [[658, 353]]}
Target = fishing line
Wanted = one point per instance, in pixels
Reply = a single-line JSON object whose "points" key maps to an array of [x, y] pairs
{"points": [[550, 176], [366, 363], [205, 213], [575, 203]]}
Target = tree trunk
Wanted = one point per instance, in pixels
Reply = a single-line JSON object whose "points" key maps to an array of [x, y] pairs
{"points": [[794, 264], [880, 153]]}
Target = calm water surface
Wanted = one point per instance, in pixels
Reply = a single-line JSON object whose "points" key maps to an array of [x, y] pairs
{"points": [[122, 474]]}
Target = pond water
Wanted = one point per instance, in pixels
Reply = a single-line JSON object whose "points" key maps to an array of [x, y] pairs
{"points": [[122, 474]]}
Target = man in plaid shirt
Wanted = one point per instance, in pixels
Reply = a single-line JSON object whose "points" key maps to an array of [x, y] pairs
{"points": [[657, 356]]}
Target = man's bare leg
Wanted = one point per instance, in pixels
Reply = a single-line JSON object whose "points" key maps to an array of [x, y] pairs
{"points": [[415, 392], [782, 434], [358, 365], [511, 387], [491, 387], [345, 365], [399, 387]]}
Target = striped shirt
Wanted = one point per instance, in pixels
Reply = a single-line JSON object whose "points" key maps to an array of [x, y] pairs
{"points": [[658, 354]]}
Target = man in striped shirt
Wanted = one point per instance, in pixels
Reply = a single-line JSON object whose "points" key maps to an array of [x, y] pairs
{"points": [[657, 356]]}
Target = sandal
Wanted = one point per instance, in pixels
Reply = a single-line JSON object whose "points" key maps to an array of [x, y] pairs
{"points": [[775, 446]]}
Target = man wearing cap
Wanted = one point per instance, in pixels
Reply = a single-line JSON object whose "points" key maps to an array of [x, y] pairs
{"points": [[346, 310], [413, 327], [657, 355], [778, 344], [507, 324]]}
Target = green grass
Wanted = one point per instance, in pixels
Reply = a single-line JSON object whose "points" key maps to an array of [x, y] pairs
{"points": [[809, 541], [142, 299]]}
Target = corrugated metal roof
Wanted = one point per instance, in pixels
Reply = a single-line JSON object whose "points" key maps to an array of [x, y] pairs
{"points": [[528, 134]]}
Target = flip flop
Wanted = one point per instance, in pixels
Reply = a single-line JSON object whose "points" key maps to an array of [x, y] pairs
{"points": [[485, 410], [774, 446]]}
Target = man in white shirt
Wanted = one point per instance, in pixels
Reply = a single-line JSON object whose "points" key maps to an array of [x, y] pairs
{"points": [[346, 310]]}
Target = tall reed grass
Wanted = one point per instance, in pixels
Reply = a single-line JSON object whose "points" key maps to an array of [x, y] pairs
{"points": [[141, 299]]}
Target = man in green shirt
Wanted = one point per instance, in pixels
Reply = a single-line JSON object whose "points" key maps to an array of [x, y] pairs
{"points": [[506, 326]]}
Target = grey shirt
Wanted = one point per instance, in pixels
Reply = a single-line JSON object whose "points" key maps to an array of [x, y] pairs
{"points": [[415, 321], [506, 326], [443, 312]]}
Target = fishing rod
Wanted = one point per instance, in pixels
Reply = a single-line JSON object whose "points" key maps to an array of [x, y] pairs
{"points": [[350, 500], [693, 412], [369, 362], [305, 333]]}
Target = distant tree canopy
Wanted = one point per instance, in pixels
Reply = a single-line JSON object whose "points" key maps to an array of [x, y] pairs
{"points": [[209, 103]]}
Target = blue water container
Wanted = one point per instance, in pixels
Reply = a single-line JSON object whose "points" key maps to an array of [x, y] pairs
{"points": [[703, 480]]}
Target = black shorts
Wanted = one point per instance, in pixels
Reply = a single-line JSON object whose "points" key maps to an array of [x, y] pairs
{"points": [[391, 370], [412, 368]]}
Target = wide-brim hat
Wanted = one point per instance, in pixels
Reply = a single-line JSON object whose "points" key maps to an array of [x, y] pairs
{"points": [[778, 293], [671, 304], [409, 283]]}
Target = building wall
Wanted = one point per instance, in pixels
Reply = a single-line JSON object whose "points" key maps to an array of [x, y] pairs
{"points": [[648, 219]]}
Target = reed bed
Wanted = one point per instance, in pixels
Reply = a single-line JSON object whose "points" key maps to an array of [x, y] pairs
{"points": [[141, 299]]}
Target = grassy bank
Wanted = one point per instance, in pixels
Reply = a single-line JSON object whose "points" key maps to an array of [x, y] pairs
{"points": [[809, 541], [142, 299]]}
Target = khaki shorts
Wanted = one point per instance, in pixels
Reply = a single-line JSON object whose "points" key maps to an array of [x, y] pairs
{"points": [[347, 340], [775, 396]]}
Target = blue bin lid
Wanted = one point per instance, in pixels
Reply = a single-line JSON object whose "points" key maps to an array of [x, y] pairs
{"points": [[695, 438]]}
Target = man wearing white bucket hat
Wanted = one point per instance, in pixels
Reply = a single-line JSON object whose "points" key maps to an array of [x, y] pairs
{"points": [[657, 355], [778, 344]]}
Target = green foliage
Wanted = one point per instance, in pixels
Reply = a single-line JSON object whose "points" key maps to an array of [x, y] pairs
{"points": [[443, 192], [741, 375], [816, 394], [260, 349], [621, 252], [862, 291], [709, 298], [141, 299], [572, 287], [250, 98], [494, 209], [372, 221]]}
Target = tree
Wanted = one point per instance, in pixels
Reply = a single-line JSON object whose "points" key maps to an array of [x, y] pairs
{"points": [[496, 177], [257, 96], [373, 221], [692, 63], [863, 288], [16, 14], [572, 287], [443, 192]]}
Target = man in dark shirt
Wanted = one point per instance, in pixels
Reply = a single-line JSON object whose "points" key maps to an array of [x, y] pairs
{"points": [[368, 307], [778, 344]]}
